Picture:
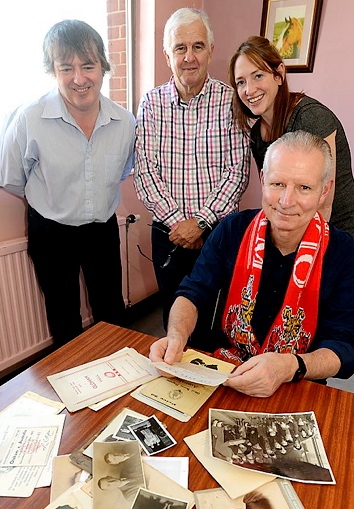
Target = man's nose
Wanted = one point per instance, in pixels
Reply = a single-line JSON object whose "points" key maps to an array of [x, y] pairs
{"points": [[287, 197], [79, 77], [189, 56]]}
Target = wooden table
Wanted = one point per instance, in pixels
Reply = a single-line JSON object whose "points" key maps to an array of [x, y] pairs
{"points": [[334, 410]]}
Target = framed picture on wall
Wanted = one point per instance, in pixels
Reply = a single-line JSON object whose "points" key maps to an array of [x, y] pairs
{"points": [[292, 25]]}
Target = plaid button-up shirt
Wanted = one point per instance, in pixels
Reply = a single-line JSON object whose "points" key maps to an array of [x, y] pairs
{"points": [[190, 157]]}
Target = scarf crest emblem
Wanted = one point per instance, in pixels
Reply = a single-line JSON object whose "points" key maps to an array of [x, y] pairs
{"points": [[295, 324]]}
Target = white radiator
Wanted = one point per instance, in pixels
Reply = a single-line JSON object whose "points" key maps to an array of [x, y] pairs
{"points": [[23, 323]]}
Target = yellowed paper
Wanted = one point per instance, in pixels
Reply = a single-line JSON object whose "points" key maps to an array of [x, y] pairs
{"points": [[31, 403], [26, 441], [277, 494], [75, 497], [34, 445], [186, 397], [158, 482], [65, 475], [235, 481], [181, 395]]}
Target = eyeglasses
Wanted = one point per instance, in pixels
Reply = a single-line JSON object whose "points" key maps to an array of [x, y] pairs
{"points": [[169, 257], [158, 228]]}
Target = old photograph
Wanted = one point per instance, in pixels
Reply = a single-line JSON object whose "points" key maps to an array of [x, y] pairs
{"points": [[123, 432], [153, 437], [117, 474], [286, 445], [149, 500]]}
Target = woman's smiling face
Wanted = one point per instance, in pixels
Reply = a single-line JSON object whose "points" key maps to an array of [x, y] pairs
{"points": [[256, 88]]}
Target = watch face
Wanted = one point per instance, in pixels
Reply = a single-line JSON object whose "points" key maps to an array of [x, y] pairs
{"points": [[202, 224]]}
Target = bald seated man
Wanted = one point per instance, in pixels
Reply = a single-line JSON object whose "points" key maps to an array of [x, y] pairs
{"points": [[287, 276]]}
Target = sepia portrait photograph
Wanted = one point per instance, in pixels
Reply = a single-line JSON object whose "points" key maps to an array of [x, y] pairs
{"points": [[117, 474]]}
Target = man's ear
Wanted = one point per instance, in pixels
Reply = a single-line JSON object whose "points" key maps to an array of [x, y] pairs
{"points": [[326, 190], [261, 176], [167, 58]]}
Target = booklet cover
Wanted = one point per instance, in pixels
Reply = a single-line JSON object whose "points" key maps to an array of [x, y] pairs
{"points": [[94, 381], [183, 398]]}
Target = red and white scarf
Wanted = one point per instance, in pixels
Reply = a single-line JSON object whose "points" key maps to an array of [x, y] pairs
{"points": [[295, 325]]}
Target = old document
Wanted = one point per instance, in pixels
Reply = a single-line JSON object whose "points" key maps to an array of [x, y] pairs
{"points": [[286, 445], [26, 449], [277, 494], [89, 383], [31, 403], [193, 373]]}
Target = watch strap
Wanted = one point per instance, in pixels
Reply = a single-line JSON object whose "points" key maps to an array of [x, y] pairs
{"points": [[301, 370]]}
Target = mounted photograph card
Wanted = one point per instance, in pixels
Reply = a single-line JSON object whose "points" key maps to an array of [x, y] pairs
{"points": [[292, 26], [286, 445], [117, 474]]}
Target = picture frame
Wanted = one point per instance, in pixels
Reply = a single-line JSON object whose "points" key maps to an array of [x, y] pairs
{"points": [[293, 25]]}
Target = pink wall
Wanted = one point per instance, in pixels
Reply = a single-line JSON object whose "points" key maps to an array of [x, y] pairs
{"points": [[236, 22], [331, 81]]}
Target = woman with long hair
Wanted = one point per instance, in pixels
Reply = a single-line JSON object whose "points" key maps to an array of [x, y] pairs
{"points": [[265, 108]]}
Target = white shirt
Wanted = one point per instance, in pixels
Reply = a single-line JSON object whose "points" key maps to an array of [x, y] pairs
{"points": [[46, 157]]}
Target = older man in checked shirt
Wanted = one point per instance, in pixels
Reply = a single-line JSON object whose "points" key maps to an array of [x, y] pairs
{"points": [[192, 162]]}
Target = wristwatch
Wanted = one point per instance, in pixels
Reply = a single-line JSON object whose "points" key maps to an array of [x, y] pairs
{"points": [[301, 370], [202, 223]]}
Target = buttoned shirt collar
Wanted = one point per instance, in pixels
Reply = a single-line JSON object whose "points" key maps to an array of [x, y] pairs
{"points": [[175, 97], [55, 107]]}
